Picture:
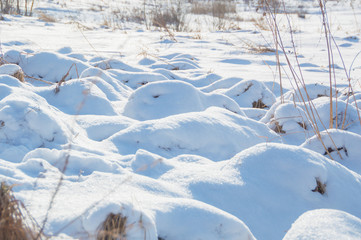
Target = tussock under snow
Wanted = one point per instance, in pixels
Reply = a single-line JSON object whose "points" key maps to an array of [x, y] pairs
{"points": [[184, 134], [215, 133], [325, 224], [166, 98]]}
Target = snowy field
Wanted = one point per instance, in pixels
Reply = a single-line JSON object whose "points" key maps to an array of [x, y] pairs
{"points": [[189, 134]]}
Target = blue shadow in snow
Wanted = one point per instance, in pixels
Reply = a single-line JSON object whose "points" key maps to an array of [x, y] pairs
{"points": [[236, 61]]}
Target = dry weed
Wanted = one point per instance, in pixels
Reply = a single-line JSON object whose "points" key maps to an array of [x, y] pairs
{"points": [[19, 75], [12, 225], [113, 228], [259, 104], [257, 48], [46, 17], [320, 188]]}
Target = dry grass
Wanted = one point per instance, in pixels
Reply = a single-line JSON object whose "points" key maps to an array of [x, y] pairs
{"points": [[113, 228], [278, 128], [259, 104], [215, 8], [256, 48], [296, 75], [19, 75], [320, 188], [46, 17], [170, 16], [12, 225], [261, 24]]}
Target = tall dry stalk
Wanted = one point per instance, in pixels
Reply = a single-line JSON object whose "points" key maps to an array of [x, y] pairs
{"points": [[297, 76], [326, 28]]}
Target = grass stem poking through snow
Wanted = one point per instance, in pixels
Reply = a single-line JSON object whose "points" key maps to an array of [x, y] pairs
{"points": [[329, 54], [312, 114], [57, 88]]}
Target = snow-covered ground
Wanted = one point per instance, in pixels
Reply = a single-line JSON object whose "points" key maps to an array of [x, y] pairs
{"points": [[187, 134]]}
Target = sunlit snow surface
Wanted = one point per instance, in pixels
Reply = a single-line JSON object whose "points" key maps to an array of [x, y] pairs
{"points": [[164, 130]]}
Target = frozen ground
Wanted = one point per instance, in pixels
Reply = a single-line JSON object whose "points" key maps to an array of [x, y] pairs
{"points": [[166, 127]]}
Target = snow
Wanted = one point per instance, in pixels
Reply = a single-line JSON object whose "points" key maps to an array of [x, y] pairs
{"points": [[214, 133], [9, 69], [325, 224], [51, 66], [260, 197], [251, 93], [187, 135], [166, 98], [342, 146]]}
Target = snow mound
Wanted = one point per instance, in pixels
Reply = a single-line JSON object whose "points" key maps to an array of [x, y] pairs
{"points": [[118, 88], [7, 80], [135, 80], [149, 164], [23, 116], [224, 83], [275, 184], [296, 121], [176, 62], [105, 64], [216, 133], [77, 163], [175, 219], [49, 66], [345, 115], [181, 219], [138, 225], [13, 56], [162, 99], [78, 96], [354, 99], [12, 70], [251, 93], [343, 146], [100, 127], [200, 80], [314, 91], [146, 61], [290, 121], [325, 224]]}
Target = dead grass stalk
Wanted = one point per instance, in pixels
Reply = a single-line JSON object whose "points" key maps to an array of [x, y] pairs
{"points": [[12, 221]]}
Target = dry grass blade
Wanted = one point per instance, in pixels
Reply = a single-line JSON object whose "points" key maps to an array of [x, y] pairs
{"points": [[311, 111], [39, 79], [12, 225], [57, 88], [329, 52], [113, 228]]}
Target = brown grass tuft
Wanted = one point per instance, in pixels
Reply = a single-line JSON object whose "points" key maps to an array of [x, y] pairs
{"points": [[259, 104], [278, 128], [320, 188], [113, 228], [12, 225], [46, 17], [19, 75]]}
